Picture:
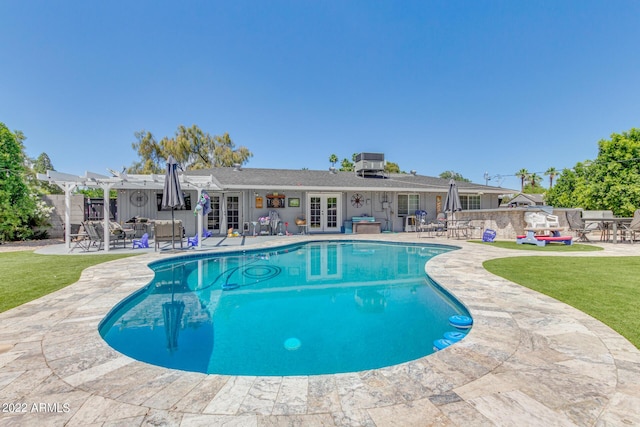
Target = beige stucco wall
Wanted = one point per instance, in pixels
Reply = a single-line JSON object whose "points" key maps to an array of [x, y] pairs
{"points": [[57, 216]]}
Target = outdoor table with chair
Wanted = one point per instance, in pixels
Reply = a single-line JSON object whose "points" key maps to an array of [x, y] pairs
{"points": [[608, 224]]}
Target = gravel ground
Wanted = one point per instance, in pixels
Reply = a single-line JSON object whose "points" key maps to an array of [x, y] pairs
{"points": [[28, 245]]}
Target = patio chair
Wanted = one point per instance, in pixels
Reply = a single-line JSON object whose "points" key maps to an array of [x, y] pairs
{"points": [[117, 233], [441, 224], [142, 242], [192, 241], [579, 226], [95, 238], [633, 228]]}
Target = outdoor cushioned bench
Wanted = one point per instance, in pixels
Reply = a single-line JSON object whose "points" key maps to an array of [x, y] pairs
{"points": [[541, 240], [365, 225], [166, 231]]}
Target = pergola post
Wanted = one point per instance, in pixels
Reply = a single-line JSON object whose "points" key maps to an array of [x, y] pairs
{"points": [[200, 219], [106, 188], [68, 188]]}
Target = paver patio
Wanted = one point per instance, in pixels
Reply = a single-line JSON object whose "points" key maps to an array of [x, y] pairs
{"points": [[529, 360]]}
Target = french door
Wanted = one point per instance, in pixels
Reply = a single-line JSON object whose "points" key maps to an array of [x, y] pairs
{"points": [[324, 213], [225, 213]]}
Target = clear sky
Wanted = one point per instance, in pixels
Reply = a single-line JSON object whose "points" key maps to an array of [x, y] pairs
{"points": [[472, 86]]}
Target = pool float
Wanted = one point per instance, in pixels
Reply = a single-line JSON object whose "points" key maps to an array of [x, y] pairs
{"points": [[454, 336], [440, 344], [460, 322]]}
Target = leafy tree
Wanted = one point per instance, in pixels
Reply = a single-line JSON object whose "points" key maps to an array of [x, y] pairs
{"points": [[191, 147], [523, 174], [551, 173], [41, 165], [529, 188], [18, 203], [453, 175], [391, 167], [611, 182], [346, 165], [333, 159], [614, 178]]}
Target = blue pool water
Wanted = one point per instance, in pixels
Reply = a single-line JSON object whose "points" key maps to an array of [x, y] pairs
{"points": [[305, 309]]}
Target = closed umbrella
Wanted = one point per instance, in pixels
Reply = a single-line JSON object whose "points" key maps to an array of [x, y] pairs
{"points": [[452, 202], [172, 194]]}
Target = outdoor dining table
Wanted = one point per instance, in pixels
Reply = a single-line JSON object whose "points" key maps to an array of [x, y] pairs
{"points": [[605, 223]]}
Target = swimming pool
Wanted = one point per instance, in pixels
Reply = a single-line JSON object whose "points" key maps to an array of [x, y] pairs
{"points": [[304, 309]]}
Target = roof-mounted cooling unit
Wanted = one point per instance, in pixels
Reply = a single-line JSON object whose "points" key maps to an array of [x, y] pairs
{"points": [[369, 163]]}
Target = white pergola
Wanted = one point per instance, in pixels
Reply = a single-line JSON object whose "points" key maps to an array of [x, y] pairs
{"points": [[121, 180]]}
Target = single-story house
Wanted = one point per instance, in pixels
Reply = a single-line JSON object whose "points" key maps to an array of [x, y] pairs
{"points": [[523, 200], [326, 200]]}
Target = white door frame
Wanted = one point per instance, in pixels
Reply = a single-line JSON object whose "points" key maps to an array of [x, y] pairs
{"points": [[324, 212]]}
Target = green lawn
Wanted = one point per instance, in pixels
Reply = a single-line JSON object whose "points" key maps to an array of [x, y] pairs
{"points": [[27, 276], [605, 288], [551, 247]]}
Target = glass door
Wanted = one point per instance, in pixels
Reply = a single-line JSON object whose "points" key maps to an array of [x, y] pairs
{"points": [[213, 219], [233, 213], [324, 213]]}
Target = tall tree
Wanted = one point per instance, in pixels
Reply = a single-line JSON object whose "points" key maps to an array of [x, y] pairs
{"points": [[523, 174], [534, 179], [42, 164], [18, 204], [191, 147], [611, 182], [150, 152], [333, 159], [551, 173]]}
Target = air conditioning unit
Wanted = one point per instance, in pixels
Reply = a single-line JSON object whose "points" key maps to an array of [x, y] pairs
{"points": [[367, 163]]}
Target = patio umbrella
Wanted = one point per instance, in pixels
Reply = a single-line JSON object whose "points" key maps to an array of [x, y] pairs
{"points": [[452, 202], [172, 194]]}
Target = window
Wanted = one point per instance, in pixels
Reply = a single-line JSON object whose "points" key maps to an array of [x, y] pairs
{"points": [[470, 201], [186, 207], [408, 204]]}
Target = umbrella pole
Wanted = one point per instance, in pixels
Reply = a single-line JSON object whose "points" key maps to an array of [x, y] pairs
{"points": [[173, 230]]}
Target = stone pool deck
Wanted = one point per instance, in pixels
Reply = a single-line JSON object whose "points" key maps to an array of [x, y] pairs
{"points": [[529, 360]]}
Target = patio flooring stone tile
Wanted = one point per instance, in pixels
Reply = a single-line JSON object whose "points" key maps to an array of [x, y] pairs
{"points": [[528, 360]]}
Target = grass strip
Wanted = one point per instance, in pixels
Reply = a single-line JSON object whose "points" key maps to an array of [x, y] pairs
{"points": [[605, 288], [27, 275], [550, 247]]}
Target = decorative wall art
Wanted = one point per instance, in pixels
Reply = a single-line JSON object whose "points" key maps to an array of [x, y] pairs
{"points": [[294, 202], [275, 200]]}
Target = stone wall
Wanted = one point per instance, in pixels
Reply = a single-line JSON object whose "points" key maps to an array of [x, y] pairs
{"points": [[508, 222]]}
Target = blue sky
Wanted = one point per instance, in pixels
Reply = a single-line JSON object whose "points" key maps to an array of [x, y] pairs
{"points": [[471, 86]]}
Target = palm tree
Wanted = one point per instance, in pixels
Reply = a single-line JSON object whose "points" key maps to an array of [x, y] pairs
{"points": [[552, 173], [534, 179], [333, 159], [523, 174]]}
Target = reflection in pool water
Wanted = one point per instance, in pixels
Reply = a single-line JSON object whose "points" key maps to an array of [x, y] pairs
{"points": [[311, 308]]}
